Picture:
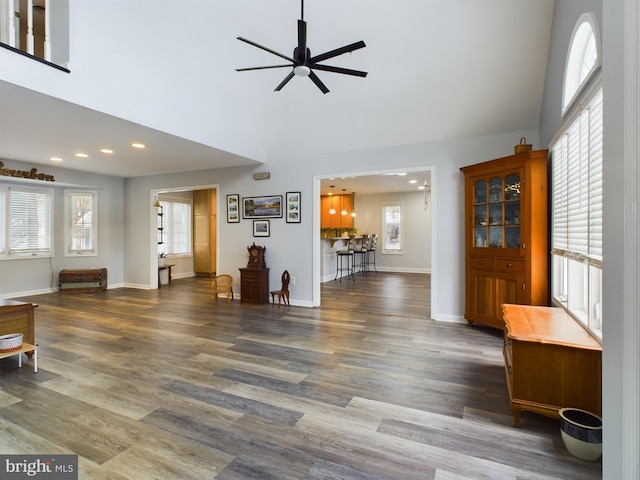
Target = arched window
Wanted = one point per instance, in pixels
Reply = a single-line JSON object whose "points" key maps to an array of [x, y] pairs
{"points": [[577, 183], [583, 59]]}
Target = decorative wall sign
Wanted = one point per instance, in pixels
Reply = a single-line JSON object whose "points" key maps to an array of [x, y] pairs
{"points": [[262, 207], [292, 209], [233, 208], [31, 174], [261, 228], [262, 176]]}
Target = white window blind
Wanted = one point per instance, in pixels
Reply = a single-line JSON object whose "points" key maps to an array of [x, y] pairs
{"points": [[29, 221], [81, 222], [577, 189]]}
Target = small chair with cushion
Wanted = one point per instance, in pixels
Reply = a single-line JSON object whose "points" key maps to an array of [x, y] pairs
{"points": [[222, 284], [283, 293]]}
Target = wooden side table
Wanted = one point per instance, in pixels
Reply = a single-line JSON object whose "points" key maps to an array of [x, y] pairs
{"points": [[29, 349], [18, 317], [254, 285]]}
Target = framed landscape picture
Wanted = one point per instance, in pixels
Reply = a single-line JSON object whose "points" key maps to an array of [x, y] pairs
{"points": [[233, 208], [262, 207], [292, 208], [261, 228]]}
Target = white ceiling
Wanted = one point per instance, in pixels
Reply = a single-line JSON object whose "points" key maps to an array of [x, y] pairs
{"points": [[438, 70]]}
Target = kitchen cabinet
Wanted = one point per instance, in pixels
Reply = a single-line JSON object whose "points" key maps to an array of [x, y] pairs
{"points": [[204, 232]]}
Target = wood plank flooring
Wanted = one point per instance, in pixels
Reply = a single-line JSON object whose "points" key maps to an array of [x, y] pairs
{"points": [[163, 385]]}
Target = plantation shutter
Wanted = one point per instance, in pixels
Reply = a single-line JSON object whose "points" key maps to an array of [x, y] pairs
{"points": [[29, 221], [577, 189]]}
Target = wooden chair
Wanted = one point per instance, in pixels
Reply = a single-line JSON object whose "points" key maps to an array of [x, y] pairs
{"points": [[222, 284], [283, 293]]}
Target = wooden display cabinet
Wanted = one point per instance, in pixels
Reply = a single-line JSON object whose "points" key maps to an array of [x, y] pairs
{"points": [[506, 218]]}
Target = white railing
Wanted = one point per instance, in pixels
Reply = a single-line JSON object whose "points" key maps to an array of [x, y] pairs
{"points": [[40, 28]]}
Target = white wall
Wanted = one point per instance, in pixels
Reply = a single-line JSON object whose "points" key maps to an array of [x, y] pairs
{"points": [[416, 255], [296, 247], [40, 275]]}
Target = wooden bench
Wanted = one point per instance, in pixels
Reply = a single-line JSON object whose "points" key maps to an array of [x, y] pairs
{"points": [[551, 362]]}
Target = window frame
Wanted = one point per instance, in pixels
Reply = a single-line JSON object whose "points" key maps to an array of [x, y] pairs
{"points": [[169, 233], [575, 79], [7, 252], [69, 238], [384, 249], [576, 258]]}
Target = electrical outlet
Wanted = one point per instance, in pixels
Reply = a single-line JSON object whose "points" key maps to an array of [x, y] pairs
{"points": [[293, 280]]}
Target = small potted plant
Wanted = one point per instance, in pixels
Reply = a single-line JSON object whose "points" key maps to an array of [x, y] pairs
{"points": [[161, 258]]}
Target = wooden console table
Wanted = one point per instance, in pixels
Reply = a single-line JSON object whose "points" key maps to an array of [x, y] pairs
{"points": [[551, 362], [18, 317]]}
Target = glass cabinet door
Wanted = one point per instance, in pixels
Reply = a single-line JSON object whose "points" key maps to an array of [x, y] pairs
{"points": [[496, 212]]}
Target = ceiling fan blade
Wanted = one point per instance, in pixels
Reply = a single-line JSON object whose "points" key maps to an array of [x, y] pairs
{"points": [[285, 81], [346, 71], [301, 52], [262, 68], [266, 49], [314, 78], [337, 51]]}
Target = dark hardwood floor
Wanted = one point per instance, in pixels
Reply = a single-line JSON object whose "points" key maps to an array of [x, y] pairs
{"points": [[163, 385]]}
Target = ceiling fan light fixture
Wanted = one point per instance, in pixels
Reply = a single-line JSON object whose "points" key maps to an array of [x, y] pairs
{"points": [[302, 70]]}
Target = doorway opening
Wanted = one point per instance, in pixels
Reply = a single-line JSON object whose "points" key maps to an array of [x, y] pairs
{"points": [[371, 189]]}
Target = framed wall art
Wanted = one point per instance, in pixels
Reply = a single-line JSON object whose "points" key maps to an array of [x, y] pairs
{"points": [[292, 207], [262, 207], [261, 228], [233, 208]]}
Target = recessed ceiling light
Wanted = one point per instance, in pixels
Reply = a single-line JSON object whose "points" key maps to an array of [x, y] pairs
{"points": [[81, 155], [106, 150], [138, 145], [399, 174], [413, 181], [55, 159], [421, 187]]}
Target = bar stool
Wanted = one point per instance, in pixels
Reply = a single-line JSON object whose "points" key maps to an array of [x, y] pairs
{"points": [[362, 251], [371, 252], [347, 254]]}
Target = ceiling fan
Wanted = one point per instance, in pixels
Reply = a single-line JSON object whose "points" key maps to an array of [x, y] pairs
{"points": [[303, 63]]}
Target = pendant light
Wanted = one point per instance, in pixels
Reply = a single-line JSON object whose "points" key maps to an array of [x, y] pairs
{"points": [[343, 211], [332, 210], [353, 204]]}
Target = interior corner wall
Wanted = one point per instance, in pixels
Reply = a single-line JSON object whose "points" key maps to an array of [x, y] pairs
{"points": [[416, 254], [31, 276]]}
